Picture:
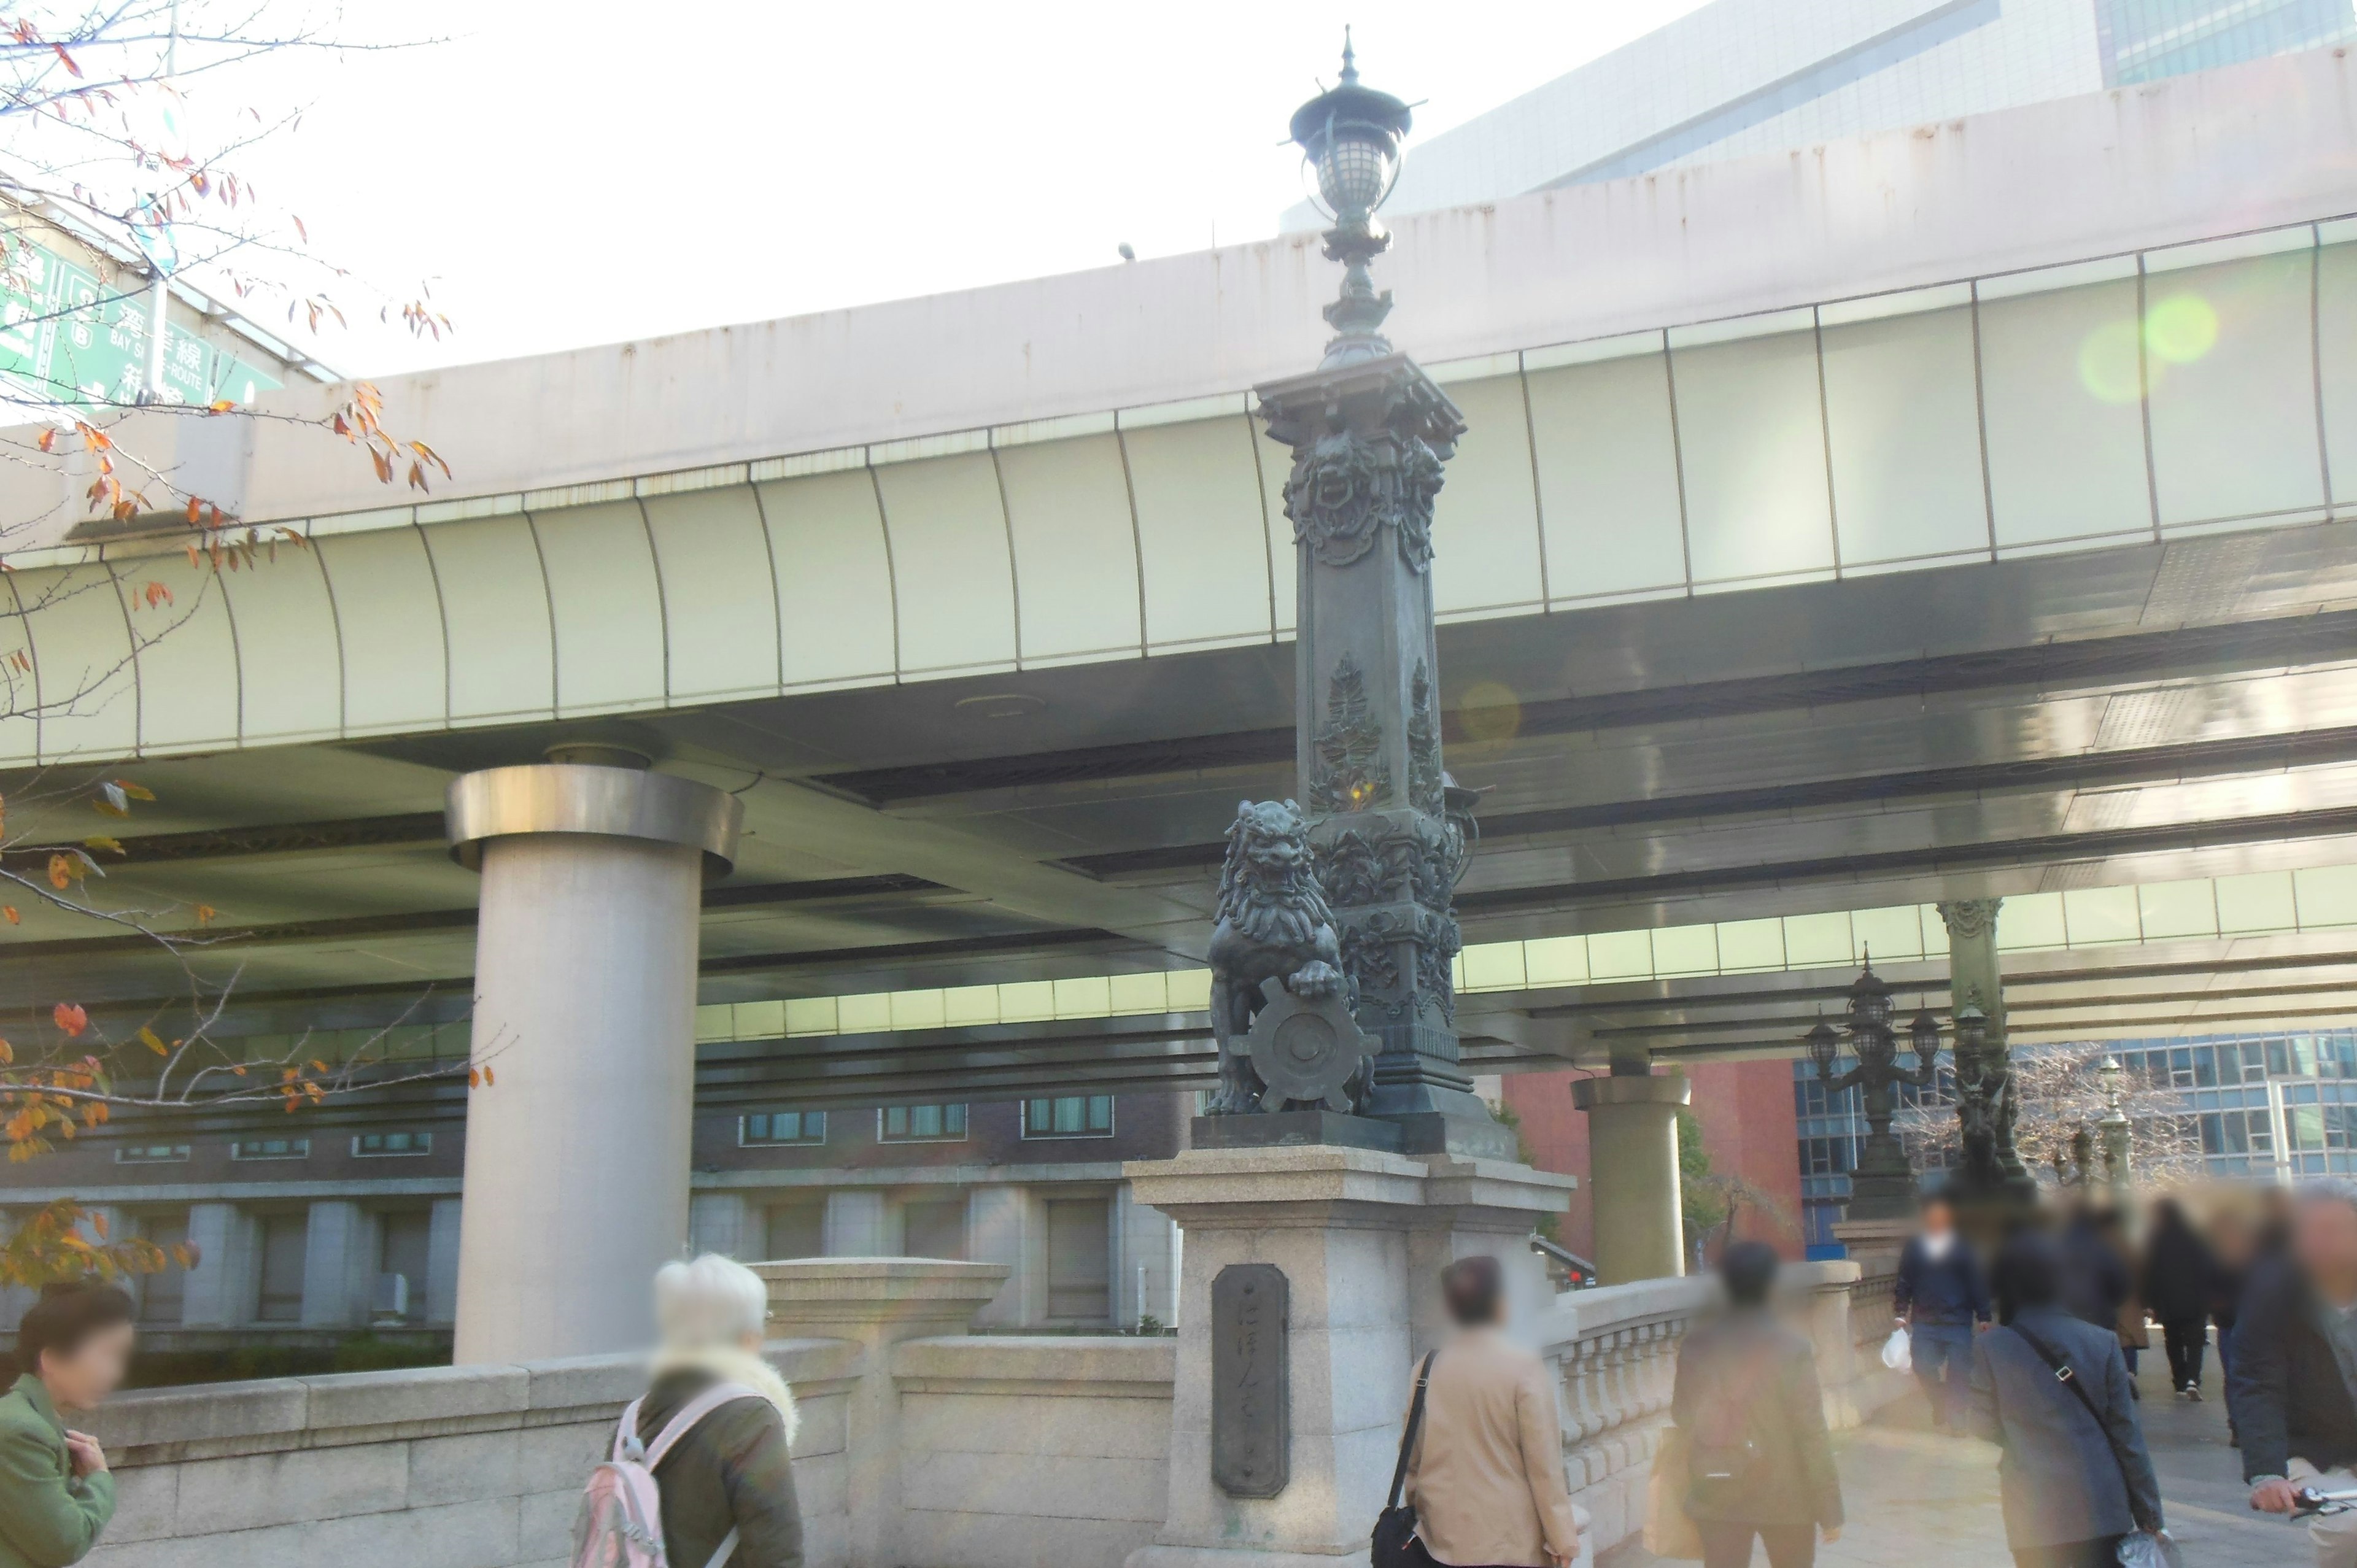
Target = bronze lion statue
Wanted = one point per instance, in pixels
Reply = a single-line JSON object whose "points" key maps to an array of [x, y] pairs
{"points": [[1274, 923]]}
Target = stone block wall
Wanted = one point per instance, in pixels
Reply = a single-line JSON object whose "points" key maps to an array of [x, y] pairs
{"points": [[437, 1468], [1015, 1452]]}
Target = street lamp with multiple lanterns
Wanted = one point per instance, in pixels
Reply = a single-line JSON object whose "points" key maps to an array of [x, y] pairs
{"points": [[1883, 1185]]}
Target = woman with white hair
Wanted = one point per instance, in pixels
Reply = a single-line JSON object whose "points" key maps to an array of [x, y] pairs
{"points": [[729, 1473]]}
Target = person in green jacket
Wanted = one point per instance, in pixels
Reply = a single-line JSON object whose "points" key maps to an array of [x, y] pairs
{"points": [[73, 1348]]}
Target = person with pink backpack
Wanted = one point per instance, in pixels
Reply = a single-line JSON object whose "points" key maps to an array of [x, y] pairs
{"points": [[699, 1475]]}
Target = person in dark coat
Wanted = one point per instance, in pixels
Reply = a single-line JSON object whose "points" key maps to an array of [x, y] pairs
{"points": [[2072, 1481], [2293, 1379], [1940, 1297], [1746, 1398], [2099, 1280], [2179, 1285], [731, 1471]]}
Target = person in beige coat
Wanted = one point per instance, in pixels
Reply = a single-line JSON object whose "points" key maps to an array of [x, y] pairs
{"points": [[1486, 1473]]}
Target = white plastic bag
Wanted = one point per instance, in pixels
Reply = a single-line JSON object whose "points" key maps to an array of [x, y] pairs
{"points": [[1897, 1354]]}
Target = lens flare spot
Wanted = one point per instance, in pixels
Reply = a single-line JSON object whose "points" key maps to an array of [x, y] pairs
{"points": [[2107, 363], [2181, 328], [1489, 711]]}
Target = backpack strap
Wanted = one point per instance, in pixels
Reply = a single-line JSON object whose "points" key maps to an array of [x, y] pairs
{"points": [[725, 1551], [1415, 1422], [628, 1433], [696, 1409]]}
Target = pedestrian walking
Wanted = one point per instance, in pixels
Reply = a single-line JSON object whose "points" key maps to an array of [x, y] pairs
{"points": [[715, 1428], [1942, 1299], [2051, 1389], [1484, 1465], [2181, 1278], [1746, 1403], [2099, 1281], [55, 1494], [2237, 1243], [2294, 1373]]}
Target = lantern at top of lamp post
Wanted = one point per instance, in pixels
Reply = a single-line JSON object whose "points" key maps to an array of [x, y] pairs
{"points": [[1923, 1034], [1824, 1047], [1869, 1019], [1350, 138]]}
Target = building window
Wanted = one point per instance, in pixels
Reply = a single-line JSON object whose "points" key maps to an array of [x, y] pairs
{"points": [[1069, 1116], [150, 1154], [271, 1149], [373, 1145], [774, 1127], [920, 1123]]}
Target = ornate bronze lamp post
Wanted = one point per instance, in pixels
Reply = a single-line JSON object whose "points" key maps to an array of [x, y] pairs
{"points": [[1883, 1185], [1386, 830], [2114, 1126]]}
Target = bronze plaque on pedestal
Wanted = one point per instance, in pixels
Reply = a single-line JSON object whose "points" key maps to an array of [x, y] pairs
{"points": [[1252, 1426]]}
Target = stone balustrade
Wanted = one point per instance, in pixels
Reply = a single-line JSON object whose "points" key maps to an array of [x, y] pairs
{"points": [[917, 1445], [1614, 1351]]}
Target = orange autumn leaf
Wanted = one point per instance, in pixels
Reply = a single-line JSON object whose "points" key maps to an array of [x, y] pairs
{"points": [[72, 1019], [14, 918]]}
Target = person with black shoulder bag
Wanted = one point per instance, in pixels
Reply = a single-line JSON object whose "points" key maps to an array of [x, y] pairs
{"points": [[1480, 1482], [2053, 1390]]}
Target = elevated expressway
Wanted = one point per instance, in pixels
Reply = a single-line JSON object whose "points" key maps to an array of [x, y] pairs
{"points": [[1966, 511]]}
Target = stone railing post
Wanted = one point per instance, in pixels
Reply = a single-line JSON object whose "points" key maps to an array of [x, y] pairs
{"points": [[1828, 1323], [876, 1302]]}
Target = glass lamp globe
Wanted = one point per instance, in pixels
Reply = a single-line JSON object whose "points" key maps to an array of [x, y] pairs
{"points": [[1924, 1034], [1823, 1045], [1355, 165]]}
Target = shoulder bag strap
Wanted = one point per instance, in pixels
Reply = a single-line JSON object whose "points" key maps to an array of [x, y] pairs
{"points": [[727, 1549], [1415, 1421], [2065, 1374]]}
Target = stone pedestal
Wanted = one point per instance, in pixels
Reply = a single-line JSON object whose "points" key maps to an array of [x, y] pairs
{"points": [[1870, 1240], [1633, 1164], [1360, 1236], [876, 1302], [585, 1017]]}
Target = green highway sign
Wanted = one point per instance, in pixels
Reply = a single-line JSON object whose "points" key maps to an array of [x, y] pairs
{"points": [[66, 338]]}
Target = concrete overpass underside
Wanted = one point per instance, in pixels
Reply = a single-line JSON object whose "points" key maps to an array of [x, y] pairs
{"points": [[2004, 547]]}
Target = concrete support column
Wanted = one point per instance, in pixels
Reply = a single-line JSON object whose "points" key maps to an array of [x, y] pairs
{"points": [[1001, 1228], [223, 1288], [1633, 1164], [1360, 1236], [442, 1261], [874, 1304], [725, 1223], [1147, 1282], [584, 1016], [339, 1248], [859, 1224]]}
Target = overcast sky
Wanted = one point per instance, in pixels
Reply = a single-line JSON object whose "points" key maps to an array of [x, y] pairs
{"points": [[582, 172]]}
